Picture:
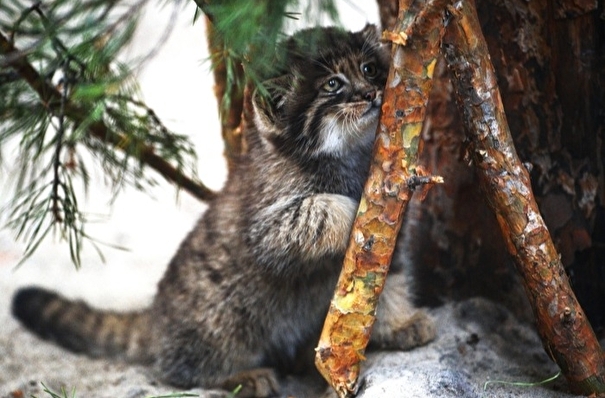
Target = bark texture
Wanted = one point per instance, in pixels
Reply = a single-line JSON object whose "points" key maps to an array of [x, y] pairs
{"points": [[565, 331], [549, 63], [392, 179]]}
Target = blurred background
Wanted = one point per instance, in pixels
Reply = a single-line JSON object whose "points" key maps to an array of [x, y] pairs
{"points": [[176, 82]]}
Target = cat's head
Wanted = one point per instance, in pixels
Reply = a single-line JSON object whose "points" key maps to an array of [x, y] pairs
{"points": [[325, 98]]}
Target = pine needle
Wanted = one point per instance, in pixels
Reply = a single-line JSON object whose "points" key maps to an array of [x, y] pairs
{"points": [[521, 384]]}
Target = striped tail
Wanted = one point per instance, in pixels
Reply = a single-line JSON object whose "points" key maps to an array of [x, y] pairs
{"points": [[80, 328]]}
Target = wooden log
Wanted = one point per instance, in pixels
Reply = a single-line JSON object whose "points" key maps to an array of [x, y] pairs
{"points": [[566, 333], [392, 179]]}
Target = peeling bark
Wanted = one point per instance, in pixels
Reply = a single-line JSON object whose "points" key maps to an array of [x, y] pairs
{"points": [[566, 334], [392, 179]]}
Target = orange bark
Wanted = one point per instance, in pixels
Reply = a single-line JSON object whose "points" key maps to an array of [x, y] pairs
{"points": [[387, 192], [566, 334]]}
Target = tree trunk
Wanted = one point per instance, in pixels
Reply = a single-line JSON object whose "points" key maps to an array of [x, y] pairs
{"points": [[549, 64], [566, 334]]}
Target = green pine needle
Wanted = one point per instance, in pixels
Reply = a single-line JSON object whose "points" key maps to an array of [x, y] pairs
{"points": [[521, 384], [236, 391], [82, 111], [53, 394], [72, 47]]}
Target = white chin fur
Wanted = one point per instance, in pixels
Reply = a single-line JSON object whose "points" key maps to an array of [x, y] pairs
{"points": [[339, 137]]}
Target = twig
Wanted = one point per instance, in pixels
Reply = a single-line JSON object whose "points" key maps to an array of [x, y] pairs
{"points": [[65, 82], [51, 97], [389, 187], [566, 334]]}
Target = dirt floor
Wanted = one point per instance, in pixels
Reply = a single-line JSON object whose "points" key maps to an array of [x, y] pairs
{"points": [[477, 342]]}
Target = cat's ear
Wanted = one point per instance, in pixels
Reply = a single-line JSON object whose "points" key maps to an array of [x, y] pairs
{"points": [[268, 102], [371, 33], [372, 39]]}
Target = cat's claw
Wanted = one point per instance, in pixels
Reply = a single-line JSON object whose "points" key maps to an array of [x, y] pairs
{"points": [[254, 383]]}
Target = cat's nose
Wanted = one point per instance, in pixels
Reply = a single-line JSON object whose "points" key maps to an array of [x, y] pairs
{"points": [[370, 95]]}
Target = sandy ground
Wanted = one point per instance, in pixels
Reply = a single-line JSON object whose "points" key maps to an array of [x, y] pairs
{"points": [[477, 340]]}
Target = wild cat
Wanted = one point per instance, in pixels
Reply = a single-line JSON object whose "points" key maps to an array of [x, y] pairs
{"points": [[245, 295]]}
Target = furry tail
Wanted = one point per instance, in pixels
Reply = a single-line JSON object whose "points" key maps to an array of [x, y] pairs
{"points": [[80, 328]]}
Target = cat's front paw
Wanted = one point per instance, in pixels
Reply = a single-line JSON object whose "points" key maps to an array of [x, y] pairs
{"points": [[253, 383], [419, 330], [328, 225], [416, 331]]}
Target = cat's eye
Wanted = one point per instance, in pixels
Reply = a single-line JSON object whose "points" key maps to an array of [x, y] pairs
{"points": [[369, 69], [332, 85]]}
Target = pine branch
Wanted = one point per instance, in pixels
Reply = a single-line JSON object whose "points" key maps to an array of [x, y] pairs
{"points": [[63, 91], [53, 101], [229, 82], [389, 187], [566, 334]]}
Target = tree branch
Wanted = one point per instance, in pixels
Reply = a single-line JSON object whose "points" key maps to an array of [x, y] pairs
{"points": [[230, 97], [388, 189], [387, 9], [566, 334], [51, 97]]}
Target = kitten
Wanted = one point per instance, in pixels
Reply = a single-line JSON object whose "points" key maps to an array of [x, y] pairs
{"points": [[246, 294]]}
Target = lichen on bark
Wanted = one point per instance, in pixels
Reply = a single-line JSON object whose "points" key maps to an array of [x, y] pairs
{"points": [[392, 179]]}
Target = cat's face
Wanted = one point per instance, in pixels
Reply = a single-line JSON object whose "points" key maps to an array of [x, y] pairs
{"points": [[327, 98]]}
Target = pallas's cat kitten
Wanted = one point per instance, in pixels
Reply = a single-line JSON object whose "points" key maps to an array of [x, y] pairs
{"points": [[246, 294]]}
